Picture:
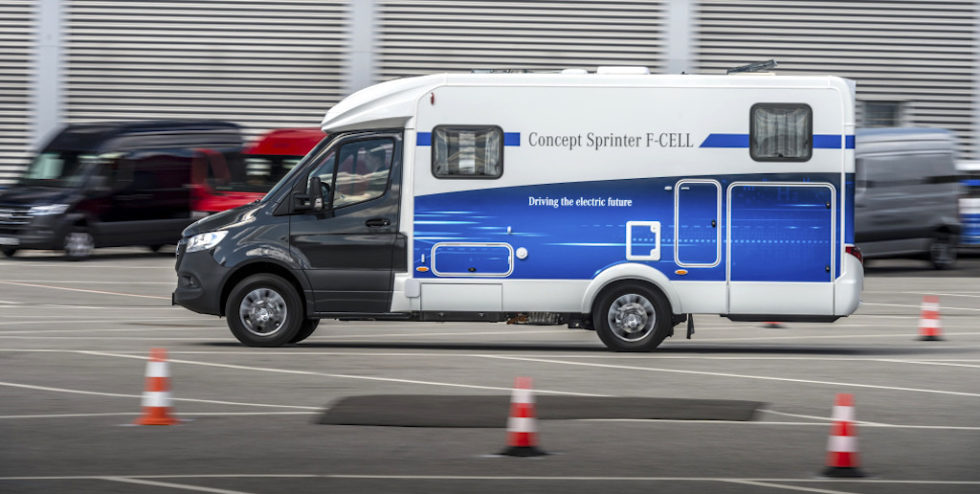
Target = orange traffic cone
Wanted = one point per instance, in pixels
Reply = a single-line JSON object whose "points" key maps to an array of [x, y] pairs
{"points": [[156, 398], [930, 327], [522, 433], [842, 447]]}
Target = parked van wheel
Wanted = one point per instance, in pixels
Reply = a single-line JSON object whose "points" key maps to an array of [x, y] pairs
{"points": [[305, 330], [264, 310], [8, 251], [78, 244], [632, 318], [942, 252]]}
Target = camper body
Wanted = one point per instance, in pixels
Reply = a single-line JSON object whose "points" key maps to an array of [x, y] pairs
{"points": [[622, 202]]}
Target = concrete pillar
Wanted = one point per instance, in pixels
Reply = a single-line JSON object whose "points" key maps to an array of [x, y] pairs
{"points": [[363, 26], [46, 92], [679, 35]]}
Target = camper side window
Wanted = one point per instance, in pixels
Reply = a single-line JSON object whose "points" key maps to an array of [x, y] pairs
{"points": [[781, 132], [467, 152]]}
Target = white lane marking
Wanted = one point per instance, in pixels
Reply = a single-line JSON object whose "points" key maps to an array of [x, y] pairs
{"points": [[110, 330], [120, 395], [99, 292], [157, 483], [834, 336], [756, 483], [339, 376], [93, 265], [945, 307], [926, 362], [810, 480], [183, 413], [732, 375], [944, 294], [91, 282]]}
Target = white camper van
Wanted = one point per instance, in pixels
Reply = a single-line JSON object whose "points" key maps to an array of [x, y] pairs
{"points": [[619, 200]]}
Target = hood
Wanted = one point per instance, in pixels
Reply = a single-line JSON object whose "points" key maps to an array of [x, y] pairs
{"points": [[35, 195], [224, 220]]}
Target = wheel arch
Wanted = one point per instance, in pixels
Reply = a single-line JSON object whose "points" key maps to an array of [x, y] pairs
{"points": [[259, 267], [630, 272]]}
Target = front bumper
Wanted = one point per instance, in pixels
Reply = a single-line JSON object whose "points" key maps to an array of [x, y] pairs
{"points": [[199, 282]]}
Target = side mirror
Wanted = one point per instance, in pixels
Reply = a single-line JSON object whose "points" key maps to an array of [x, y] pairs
{"points": [[315, 192]]}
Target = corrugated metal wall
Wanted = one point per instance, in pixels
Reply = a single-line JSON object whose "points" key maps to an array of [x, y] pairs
{"points": [[262, 64], [922, 54], [426, 36], [17, 41]]}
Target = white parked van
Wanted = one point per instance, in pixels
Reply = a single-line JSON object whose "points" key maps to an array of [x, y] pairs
{"points": [[620, 200]]}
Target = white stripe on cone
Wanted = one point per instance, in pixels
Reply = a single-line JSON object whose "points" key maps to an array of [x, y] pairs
{"points": [[843, 414], [930, 306], [156, 398], [521, 424], [522, 395], [157, 369], [842, 444], [930, 323]]}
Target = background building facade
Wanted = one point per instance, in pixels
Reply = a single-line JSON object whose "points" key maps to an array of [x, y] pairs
{"points": [[281, 63]]}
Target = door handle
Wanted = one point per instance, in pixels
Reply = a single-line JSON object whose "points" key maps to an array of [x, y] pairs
{"points": [[377, 222]]}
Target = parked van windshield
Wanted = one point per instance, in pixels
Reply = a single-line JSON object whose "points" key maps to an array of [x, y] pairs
{"points": [[66, 169]]}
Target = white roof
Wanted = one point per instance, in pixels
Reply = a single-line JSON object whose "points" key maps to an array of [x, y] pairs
{"points": [[391, 104]]}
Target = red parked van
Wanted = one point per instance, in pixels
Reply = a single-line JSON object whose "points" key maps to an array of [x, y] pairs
{"points": [[221, 182]]}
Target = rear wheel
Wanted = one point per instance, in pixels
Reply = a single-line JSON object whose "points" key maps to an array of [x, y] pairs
{"points": [[8, 251], [78, 243], [264, 310], [632, 317], [942, 252], [305, 330]]}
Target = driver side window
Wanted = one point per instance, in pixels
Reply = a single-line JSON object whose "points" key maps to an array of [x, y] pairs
{"points": [[362, 170]]}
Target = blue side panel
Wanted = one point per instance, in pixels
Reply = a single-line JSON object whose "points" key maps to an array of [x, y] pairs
{"points": [[697, 238], [820, 141], [781, 233], [848, 195], [576, 230], [971, 229], [471, 259]]}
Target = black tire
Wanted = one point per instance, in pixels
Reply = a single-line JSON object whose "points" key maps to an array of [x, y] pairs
{"points": [[155, 247], [942, 251], [305, 330], [78, 243], [8, 251], [264, 310], [643, 314]]}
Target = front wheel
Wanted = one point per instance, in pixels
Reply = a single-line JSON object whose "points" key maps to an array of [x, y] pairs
{"points": [[79, 243], [632, 317], [942, 252], [305, 330], [264, 310]]}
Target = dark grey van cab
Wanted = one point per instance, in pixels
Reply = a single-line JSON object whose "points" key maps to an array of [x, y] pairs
{"points": [[906, 194], [327, 232], [109, 184]]}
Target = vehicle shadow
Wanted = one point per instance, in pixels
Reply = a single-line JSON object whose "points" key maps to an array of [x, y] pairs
{"points": [[665, 350]]}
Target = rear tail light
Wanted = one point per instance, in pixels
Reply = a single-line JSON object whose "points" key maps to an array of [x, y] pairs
{"points": [[856, 252]]}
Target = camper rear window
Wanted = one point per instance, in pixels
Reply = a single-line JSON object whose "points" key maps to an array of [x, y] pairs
{"points": [[467, 152], [781, 132]]}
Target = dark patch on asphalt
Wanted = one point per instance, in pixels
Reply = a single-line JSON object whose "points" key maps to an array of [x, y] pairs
{"points": [[492, 411]]}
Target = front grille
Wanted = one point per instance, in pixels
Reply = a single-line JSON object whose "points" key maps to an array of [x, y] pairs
{"points": [[12, 216]]}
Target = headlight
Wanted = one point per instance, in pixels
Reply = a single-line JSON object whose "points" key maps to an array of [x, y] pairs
{"points": [[48, 209], [205, 241]]}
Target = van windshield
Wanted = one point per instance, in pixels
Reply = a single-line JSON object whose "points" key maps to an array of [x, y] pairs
{"points": [[65, 169], [288, 178]]}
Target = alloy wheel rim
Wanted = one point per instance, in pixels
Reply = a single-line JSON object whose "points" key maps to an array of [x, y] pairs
{"points": [[631, 317], [263, 312]]}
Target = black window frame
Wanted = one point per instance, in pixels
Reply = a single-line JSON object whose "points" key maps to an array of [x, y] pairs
{"points": [[432, 145], [784, 106]]}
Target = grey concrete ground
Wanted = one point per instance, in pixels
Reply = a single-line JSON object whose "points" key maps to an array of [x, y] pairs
{"points": [[74, 338]]}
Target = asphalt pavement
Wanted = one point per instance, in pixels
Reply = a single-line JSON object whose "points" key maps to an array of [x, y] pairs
{"points": [[75, 339]]}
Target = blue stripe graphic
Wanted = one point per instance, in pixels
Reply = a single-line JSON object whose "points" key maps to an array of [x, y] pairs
{"points": [[726, 141], [820, 141], [510, 139]]}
